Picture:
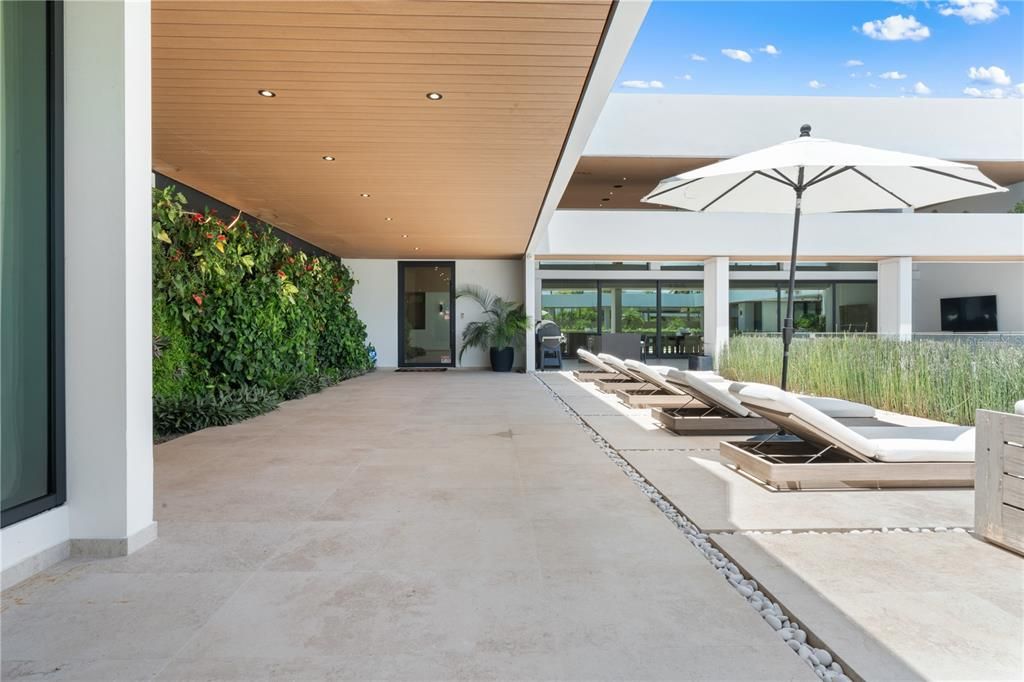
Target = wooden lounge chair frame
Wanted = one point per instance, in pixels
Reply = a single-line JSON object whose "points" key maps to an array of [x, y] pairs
{"points": [[593, 375], [655, 398], [697, 419], [792, 465], [600, 374], [784, 462]]}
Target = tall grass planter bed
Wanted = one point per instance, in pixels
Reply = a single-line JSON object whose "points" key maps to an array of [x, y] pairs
{"points": [[942, 380], [241, 320]]}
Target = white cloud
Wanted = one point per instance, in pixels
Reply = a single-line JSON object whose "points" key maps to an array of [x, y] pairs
{"points": [[685, 77], [892, 76], [921, 89], [854, 62], [993, 74], [698, 58], [815, 85], [770, 49], [974, 11], [872, 85], [1019, 89], [643, 85], [738, 55], [991, 93], [896, 27]]}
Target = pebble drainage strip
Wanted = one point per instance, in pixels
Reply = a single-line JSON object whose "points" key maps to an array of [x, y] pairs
{"points": [[811, 650]]}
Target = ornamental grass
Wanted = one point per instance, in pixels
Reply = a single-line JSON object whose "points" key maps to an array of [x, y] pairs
{"points": [[945, 380]]}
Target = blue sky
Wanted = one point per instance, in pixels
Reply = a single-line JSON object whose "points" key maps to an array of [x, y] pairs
{"points": [[928, 49]]}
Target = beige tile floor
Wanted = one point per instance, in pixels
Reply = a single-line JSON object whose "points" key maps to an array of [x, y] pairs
{"points": [[906, 606], [398, 526]]}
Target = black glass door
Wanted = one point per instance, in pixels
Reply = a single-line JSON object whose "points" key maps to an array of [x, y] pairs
{"points": [[426, 314]]}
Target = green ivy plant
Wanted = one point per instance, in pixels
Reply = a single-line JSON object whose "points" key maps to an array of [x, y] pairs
{"points": [[237, 312]]}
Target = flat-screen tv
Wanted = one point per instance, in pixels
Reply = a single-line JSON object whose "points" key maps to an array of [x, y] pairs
{"points": [[969, 314]]}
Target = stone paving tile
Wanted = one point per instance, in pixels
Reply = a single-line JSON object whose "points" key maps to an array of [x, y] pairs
{"points": [[934, 606], [397, 526]]}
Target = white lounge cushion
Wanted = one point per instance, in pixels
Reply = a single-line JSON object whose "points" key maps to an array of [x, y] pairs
{"points": [[837, 408], [594, 360], [622, 368], [709, 391], [654, 377], [885, 444], [920, 443]]}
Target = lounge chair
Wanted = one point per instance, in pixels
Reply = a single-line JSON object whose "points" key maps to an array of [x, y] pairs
{"points": [[704, 407], [634, 385], [820, 452], [724, 415], [597, 371]]}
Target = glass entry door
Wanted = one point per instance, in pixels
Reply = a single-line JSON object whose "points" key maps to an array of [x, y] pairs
{"points": [[426, 314]]}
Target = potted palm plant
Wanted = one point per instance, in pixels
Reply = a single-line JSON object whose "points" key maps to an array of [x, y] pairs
{"points": [[503, 329]]}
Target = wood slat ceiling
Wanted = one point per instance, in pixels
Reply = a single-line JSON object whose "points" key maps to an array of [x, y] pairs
{"points": [[462, 177], [620, 182]]}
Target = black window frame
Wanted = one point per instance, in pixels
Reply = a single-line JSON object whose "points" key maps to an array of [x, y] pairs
{"points": [[57, 471]]}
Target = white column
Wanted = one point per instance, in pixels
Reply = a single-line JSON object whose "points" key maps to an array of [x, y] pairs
{"points": [[716, 306], [532, 311], [895, 297], [108, 170]]}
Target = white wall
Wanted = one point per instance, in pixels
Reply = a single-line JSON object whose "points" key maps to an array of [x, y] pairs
{"points": [[375, 298], [990, 203], [727, 125], [647, 235], [896, 297], [108, 337], [934, 281]]}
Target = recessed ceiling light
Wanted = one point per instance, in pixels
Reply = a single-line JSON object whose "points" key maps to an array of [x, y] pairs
{"points": [[364, 195], [416, 248], [434, 96], [267, 93], [327, 158], [405, 236], [387, 220]]}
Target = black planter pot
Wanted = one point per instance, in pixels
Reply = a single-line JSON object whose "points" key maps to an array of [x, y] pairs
{"points": [[501, 360]]}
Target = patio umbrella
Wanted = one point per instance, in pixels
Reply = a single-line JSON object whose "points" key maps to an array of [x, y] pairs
{"points": [[815, 175]]}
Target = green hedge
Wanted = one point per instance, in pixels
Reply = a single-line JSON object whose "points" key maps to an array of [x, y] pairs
{"points": [[943, 380], [241, 320]]}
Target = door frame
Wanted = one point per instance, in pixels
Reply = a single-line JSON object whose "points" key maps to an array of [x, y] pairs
{"points": [[402, 265]]}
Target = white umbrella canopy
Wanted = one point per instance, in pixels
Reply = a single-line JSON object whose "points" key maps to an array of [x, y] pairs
{"points": [[813, 175], [836, 177]]}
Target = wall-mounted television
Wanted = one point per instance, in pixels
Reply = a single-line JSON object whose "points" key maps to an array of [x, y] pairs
{"points": [[969, 314]]}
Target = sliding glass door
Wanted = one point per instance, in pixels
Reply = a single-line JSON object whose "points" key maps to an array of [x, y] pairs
{"points": [[31, 261], [426, 306]]}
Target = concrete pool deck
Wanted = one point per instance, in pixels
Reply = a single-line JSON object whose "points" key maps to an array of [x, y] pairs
{"points": [[907, 605], [454, 525]]}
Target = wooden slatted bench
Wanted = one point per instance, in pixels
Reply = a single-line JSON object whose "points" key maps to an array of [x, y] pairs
{"points": [[999, 484]]}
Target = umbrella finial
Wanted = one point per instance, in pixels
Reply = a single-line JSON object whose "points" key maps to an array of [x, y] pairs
{"points": [[805, 130]]}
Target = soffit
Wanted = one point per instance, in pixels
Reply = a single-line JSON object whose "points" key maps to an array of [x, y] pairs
{"points": [[596, 177], [462, 177]]}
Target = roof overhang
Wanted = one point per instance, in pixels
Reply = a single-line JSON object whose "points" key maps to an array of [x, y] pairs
{"points": [[463, 176]]}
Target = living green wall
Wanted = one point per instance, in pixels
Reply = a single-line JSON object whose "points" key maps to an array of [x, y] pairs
{"points": [[242, 320]]}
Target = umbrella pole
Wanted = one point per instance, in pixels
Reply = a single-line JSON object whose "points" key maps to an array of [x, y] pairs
{"points": [[787, 325]]}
